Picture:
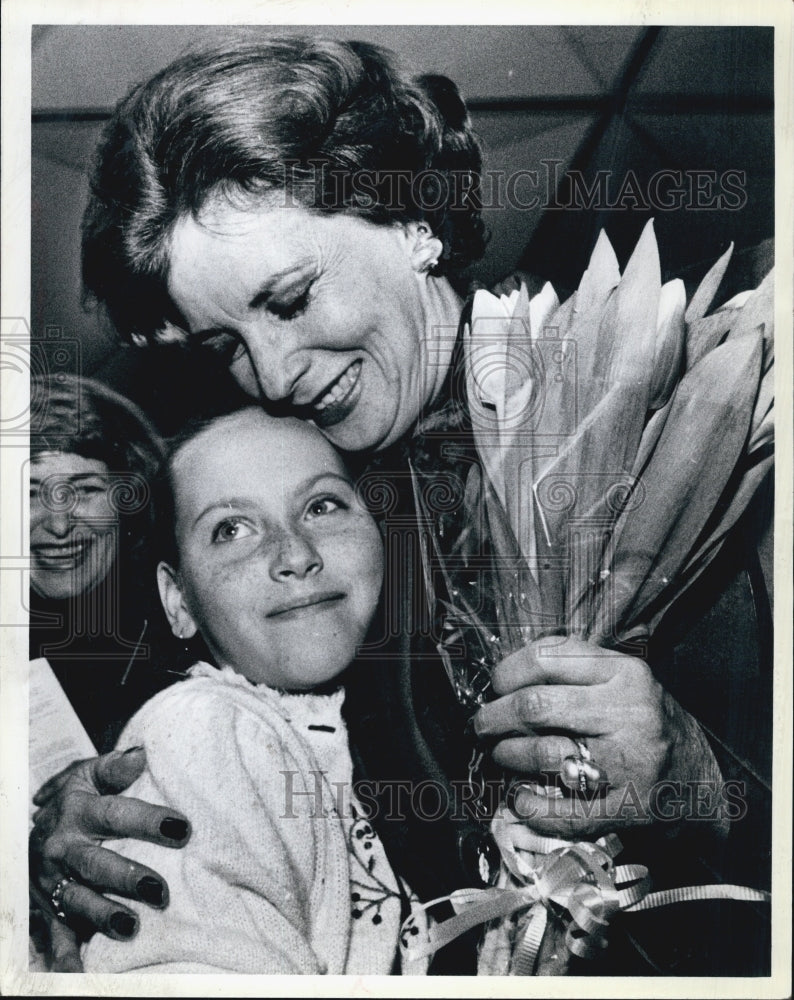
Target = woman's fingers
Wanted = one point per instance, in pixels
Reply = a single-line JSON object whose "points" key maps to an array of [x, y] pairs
{"points": [[539, 756], [64, 843], [573, 817], [108, 774], [106, 816], [555, 660], [75, 812], [81, 904], [102, 869], [64, 948], [115, 920], [583, 710], [115, 772], [65, 835], [53, 785]]}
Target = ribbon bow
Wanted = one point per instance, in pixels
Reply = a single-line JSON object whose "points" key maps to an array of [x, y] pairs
{"points": [[580, 878]]}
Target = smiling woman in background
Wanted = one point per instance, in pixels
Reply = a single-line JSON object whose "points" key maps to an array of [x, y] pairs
{"points": [[92, 610]]}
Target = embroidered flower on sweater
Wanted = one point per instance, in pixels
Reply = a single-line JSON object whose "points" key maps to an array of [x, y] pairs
{"points": [[369, 892]]}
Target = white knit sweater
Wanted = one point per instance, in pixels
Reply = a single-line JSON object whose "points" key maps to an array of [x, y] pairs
{"points": [[282, 873]]}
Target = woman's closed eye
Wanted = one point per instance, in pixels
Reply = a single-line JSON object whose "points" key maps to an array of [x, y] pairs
{"points": [[91, 489], [82, 489], [290, 308], [232, 529], [226, 347]]}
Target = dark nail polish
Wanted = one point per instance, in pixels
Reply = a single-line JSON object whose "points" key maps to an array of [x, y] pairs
{"points": [[150, 890], [123, 924], [174, 829]]}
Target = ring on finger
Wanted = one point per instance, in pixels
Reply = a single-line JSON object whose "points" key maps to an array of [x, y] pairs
{"points": [[56, 896], [573, 773], [582, 747], [579, 769]]}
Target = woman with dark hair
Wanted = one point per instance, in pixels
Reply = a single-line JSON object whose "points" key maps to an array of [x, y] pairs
{"points": [[299, 208], [93, 614]]}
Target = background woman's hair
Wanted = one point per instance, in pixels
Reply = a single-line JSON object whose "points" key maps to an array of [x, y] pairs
{"points": [[72, 413], [334, 125]]}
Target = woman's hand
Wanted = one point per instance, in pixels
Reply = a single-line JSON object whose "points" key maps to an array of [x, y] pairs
{"points": [[78, 808], [560, 688]]}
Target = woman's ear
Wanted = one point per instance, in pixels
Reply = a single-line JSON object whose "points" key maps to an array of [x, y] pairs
{"points": [[424, 249], [176, 611]]}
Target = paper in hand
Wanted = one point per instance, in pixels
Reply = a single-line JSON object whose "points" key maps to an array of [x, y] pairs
{"points": [[56, 736]]}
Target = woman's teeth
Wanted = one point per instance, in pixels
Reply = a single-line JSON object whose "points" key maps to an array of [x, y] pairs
{"points": [[341, 387], [61, 556]]}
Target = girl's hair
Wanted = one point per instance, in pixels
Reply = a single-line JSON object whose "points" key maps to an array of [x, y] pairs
{"points": [[77, 415], [335, 126], [164, 542]]}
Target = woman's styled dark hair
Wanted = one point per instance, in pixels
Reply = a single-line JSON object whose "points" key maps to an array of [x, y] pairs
{"points": [[336, 126], [78, 415]]}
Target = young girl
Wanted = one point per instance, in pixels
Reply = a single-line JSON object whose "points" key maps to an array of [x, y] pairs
{"points": [[277, 565]]}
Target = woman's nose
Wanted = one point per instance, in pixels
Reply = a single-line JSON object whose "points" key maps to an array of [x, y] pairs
{"points": [[295, 557], [277, 368], [58, 523]]}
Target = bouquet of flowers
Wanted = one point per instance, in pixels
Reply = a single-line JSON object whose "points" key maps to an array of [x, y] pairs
{"points": [[619, 437]]}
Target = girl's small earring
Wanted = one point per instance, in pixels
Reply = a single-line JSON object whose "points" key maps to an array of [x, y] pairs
{"points": [[185, 658]]}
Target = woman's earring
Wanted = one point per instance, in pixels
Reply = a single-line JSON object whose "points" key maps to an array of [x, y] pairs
{"points": [[427, 250]]}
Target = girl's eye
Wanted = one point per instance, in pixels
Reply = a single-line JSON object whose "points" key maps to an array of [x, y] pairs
{"points": [[291, 308], [231, 530], [325, 505]]}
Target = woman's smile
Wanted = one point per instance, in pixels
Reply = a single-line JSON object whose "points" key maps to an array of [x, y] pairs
{"points": [[338, 400], [62, 555]]}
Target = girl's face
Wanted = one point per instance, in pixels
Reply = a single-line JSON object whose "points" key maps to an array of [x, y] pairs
{"points": [[324, 312], [280, 566], [73, 524]]}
